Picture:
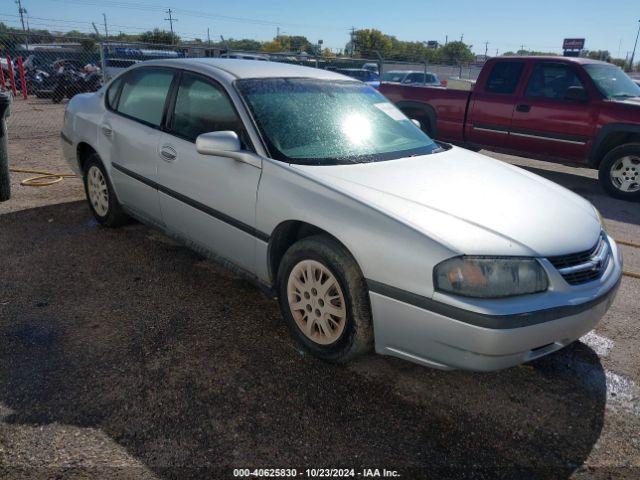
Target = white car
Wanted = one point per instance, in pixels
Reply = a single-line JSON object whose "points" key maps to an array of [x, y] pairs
{"points": [[371, 234], [410, 77]]}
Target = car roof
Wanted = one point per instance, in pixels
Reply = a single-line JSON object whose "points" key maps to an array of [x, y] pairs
{"points": [[556, 58], [241, 68]]}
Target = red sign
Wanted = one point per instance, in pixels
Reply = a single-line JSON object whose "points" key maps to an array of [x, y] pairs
{"points": [[573, 44]]}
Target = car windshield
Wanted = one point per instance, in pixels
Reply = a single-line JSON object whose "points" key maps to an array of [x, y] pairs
{"points": [[612, 81], [328, 122], [393, 77]]}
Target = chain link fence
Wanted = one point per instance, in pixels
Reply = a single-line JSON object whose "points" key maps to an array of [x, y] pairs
{"points": [[44, 71]]}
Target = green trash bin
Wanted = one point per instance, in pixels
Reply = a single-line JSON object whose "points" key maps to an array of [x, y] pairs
{"points": [[5, 181]]}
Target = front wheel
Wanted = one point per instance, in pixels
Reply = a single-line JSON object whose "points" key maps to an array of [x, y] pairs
{"points": [[619, 172], [324, 299]]}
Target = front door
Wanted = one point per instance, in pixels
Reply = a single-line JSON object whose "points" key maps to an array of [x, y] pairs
{"points": [[545, 122], [209, 200], [132, 127]]}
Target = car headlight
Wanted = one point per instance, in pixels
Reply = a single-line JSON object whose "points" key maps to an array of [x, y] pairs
{"points": [[490, 277]]}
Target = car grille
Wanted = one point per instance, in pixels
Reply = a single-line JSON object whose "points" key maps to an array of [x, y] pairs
{"points": [[583, 267]]}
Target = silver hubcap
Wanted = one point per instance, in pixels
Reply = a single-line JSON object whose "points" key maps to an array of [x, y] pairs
{"points": [[316, 302], [98, 191], [625, 174]]}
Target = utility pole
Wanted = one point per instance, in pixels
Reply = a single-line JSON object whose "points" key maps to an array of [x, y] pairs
{"points": [[522, 48], [277, 33], [171, 20], [22, 11], [461, 37], [208, 37], [496, 52], [446, 39], [106, 30], [633, 54], [486, 49]]}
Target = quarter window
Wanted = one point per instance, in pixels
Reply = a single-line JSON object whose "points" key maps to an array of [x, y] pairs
{"points": [[202, 107], [144, 93], [552, 80], [504, 77], [112, 93]]}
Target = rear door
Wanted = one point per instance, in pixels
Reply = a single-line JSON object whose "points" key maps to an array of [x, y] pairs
{"points": [[209, 200], [491, 110], [132, 127], [545, 122]]}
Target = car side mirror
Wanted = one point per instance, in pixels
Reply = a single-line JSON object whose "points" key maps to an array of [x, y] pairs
{"points": [[218, 143], [225, 143], [576, 93], [416, 123]]}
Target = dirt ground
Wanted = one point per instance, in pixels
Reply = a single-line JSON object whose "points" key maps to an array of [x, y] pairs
{"points": [[124, 355]]}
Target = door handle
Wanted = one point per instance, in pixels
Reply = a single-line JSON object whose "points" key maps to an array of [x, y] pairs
{"points": [[168, 153], [523, 108], [106, 130]]}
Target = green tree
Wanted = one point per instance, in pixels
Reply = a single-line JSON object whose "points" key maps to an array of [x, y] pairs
{"points": [[159, 36], [454, 52], [370, 41], [244, 44]]}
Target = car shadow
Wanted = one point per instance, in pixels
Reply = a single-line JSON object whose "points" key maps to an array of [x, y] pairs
{"points": [[191, 371], [611, 208]]}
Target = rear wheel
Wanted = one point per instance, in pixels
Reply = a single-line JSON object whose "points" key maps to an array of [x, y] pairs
{"points": [[324, 299], [619, 172], [102, 200]]}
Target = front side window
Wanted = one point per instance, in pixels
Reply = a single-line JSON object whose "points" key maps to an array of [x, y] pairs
{"points": [[202, 107], [321, 122], [552, 80], [144, 93], [612, 81], [504, 77]]}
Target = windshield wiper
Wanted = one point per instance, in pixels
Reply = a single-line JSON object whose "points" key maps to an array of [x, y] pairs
{"points": [[624, 95]]}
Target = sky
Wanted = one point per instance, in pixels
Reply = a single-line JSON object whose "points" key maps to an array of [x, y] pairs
{"points": [[506, 25]]}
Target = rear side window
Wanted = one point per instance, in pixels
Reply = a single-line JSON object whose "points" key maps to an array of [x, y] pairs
{"points": [[552, 80], [144, 93], [202, 107], [504, 77]]}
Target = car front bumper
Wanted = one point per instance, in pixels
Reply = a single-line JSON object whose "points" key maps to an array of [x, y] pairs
{"points": [[449, 338]]}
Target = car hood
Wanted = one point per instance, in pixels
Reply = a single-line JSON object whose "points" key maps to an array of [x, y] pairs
{"points": [[470, 203]]}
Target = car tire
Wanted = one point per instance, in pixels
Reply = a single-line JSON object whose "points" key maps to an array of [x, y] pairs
{"points": [[619, 172], [102, 199], [332, 321]]}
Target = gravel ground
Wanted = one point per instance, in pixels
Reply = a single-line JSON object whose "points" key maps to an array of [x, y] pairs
{"points": [[124, 355]]}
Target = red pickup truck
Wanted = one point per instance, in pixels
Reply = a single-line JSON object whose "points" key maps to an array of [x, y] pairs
{"points": [[554, 108]]}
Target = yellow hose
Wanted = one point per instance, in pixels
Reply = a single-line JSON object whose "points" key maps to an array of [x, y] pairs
{"points": [[42, 179]]}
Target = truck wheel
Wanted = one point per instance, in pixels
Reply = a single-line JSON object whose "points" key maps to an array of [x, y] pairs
{"points": [[102, 200], [619, 172], [324, 298]]}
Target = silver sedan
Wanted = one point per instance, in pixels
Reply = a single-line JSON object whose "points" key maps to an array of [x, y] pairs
{"points": [[371, 234]]}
